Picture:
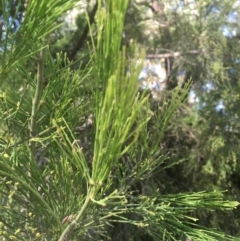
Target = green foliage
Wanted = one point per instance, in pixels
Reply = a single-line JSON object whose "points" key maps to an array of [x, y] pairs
{"points": [[60, 181]]}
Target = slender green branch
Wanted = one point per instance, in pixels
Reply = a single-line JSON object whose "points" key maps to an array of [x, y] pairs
{"points": [[67, 233], [37, 99]]}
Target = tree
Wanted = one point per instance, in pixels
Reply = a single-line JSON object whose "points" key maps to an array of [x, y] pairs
{"points": [[197, 38], [79, 153]]}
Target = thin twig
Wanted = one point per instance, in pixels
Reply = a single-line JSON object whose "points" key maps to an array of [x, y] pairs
{"points": [[169, 55], [84, 35], [37, 99], [68, 232]]}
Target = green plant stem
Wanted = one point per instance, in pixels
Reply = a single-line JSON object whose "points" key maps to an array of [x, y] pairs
{"points": [[67, 233], [36, 99]]}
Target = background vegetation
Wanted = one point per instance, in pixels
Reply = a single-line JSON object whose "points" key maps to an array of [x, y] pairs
{"points": [[86, 154]]}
